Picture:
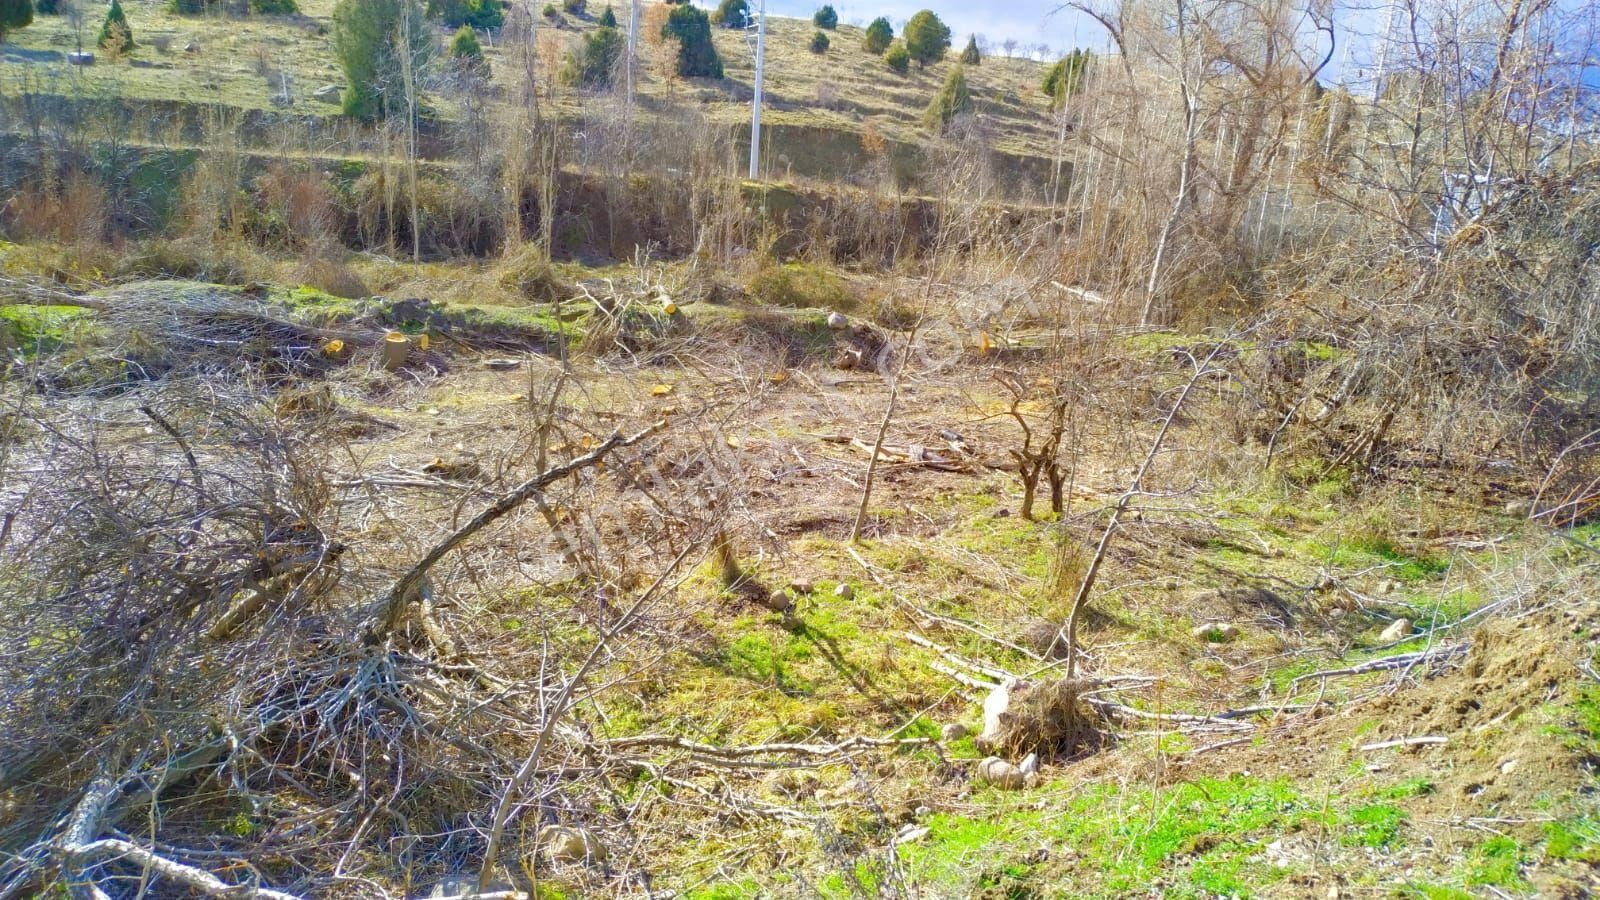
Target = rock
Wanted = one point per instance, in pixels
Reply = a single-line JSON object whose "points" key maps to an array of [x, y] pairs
{"points": [[328, 93], [1519, 508], [1398, 630], [911, 833], [1215, 632], [801, 586], [502, 365], [191, 47], [996, 771], [80, 58], [922, 812], [778, 601], [564, 844], [848, 360], [844, 591], [953, 731], [463, 885], [838, 321]]}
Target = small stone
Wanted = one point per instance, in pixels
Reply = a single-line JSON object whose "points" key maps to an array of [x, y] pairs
{"points": [[911, 833], [463, 885], [838, 321], [502, 365], [1385, 588], [1002, 513], [328, 93], [1507, 767], [996, 771], [953, 731], [848, 360], [1337, 613], [80, 58], [1215, 632], [1398, 630], [922, 812], [844, 591], [801, 586], [564, 844], [1519, 508], [191, 47], [779, 601]]}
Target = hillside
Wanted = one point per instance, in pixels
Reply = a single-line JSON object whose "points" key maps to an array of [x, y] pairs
{"points": [[242, 63]]}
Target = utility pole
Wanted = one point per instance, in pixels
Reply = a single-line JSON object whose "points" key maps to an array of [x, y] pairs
{"points": [[633, 49], [755, 105]]}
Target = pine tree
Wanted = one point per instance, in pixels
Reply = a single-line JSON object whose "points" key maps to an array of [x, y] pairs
{"points": [[608, 19], [466, 53], [364, 39], [697, 56], [733, 14], [879, 35], [819, 42], [898, 57], [927, 38], [826, 18], [952, 100], [115, 29], [969, 56], [1065, 78], [14, 14], [594, 61]]}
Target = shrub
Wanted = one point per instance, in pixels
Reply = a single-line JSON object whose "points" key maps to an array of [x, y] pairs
{"points": [[733, 14], [802, 286], [474, 13], [15, 14], [115, 35], [47, 7], [826, 18], [697, 56], [274, 7], [552, 12], [575, 7], [608, 19], [898, 58], [970, 56], [952, 100], [186, 7], [595, 59], [879, 34], [1065, 78], [466, 53], [819, 42], [927, 38]]}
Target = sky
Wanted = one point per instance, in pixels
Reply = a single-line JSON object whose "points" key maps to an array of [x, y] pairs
{"points": [[1052, 22], [1029, 22]]}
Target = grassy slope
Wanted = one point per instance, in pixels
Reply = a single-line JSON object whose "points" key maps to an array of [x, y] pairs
{"points": [[845, 89]]}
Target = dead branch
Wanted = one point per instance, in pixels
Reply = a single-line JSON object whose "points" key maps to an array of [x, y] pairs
{"points": [[392, 608]]}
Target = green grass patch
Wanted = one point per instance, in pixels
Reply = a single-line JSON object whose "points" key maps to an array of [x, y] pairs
{"points": [[1374, 825], [1497, 862], [40, 329], [1207, 830], [1576, 839]]}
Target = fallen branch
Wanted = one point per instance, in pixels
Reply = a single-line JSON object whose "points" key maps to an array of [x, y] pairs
{"points": [[391, 611], [677, 742], [1406, 742], [1399, 660]]}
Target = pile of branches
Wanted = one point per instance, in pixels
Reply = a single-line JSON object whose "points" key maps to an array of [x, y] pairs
{"points": [[1479, 348], [193, 645]]}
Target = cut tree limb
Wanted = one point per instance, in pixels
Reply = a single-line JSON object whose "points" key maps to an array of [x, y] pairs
{"points": [[391, 610]]}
